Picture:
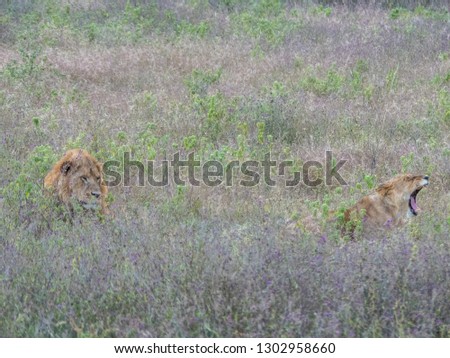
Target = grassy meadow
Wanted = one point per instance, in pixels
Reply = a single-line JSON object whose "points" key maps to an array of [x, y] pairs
{"points": [[228, 80]]}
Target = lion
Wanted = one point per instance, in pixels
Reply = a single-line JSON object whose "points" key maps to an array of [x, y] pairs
{"points": [[78, 176], [391, 205]]}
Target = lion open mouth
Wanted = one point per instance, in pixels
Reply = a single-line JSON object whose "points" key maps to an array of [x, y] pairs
{"points": [[413, 201]]}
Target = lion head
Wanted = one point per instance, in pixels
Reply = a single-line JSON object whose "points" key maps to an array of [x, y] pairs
{"points": [[78, 176], [403, 190], [393, 202]]}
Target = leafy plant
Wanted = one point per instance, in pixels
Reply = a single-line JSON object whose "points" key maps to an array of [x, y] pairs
{"points": [[216, 116], [407, 161], [199, 81], [331, 83], [397, 12], [370, 181], [392, 79], [30, 65], [26, 188], [266, 21], [322, 10], [190, 142], [199, 30], [357, 76]]}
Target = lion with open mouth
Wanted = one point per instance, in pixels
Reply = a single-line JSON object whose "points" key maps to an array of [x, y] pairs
{"points": [[392, 205]]}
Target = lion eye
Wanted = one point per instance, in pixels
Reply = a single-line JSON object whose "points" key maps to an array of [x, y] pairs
{"points": [[84, 179], [98, 179]]}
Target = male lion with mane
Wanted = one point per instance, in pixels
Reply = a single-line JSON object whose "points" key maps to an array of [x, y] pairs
{"points": [[78, 176], [392, 205]]}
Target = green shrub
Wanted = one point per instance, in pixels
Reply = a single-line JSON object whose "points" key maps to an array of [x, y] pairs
{"points": [[324, 86], [268, 21], [199, 81]]}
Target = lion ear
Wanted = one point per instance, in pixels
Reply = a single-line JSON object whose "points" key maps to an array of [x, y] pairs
{"points": [[79, 155], [384, 189], [65, 167]]}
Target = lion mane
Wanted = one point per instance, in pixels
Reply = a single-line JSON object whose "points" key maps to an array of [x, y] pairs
{"points": [[78, 176]]}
